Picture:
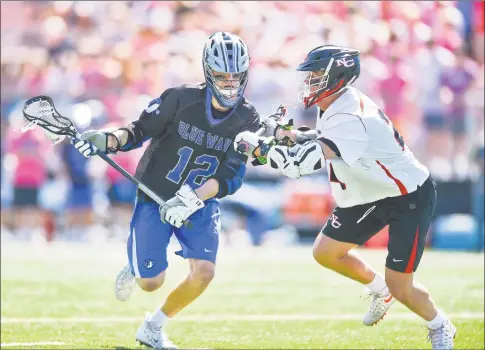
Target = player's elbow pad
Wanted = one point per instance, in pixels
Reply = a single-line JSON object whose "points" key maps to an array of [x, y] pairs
{"points": [[230, 176], [136, 136]]}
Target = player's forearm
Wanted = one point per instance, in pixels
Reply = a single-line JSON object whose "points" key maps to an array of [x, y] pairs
{"points": [[297, 136], [130, 137], [208, 190], [281, 134]]}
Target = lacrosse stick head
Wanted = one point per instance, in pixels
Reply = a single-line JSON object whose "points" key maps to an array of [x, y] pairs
{"points": [[280, 112], [40, 111]]}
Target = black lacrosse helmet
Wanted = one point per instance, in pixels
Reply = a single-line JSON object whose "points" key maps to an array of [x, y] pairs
{"points": [[325, 71]]}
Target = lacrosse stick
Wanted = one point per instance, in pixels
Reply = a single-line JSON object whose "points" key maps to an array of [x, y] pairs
{"points": [[40, 111], [260, 157]]}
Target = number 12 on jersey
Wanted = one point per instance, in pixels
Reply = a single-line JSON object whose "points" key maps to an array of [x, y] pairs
{"points": [[195, 177], [397, 135]]}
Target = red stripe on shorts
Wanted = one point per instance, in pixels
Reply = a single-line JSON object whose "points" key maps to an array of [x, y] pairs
{"points": [[412, 258], [399, 184]]}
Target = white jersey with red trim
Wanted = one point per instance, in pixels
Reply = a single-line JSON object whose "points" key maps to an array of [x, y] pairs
{"points": [[374, 161]]}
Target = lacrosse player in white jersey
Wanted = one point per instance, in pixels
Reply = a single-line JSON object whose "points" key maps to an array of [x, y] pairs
{"points": [[375, 180]]}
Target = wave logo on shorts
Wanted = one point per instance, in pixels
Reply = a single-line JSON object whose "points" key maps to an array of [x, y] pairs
{"points": [[149, 263]]}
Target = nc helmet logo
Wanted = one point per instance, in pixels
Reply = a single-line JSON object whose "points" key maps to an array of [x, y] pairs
{"points": [[347, 63], [149, 263]]}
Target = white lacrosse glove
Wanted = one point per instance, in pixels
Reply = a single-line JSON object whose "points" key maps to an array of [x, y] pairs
{"points": [[177, 209], [309, 157], [247, 142], [279, 157]]}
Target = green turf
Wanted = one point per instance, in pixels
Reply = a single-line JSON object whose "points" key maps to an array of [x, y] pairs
{"points": [[72, 286]]}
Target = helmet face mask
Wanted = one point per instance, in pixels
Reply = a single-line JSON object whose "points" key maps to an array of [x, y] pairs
{"points": [[311, 84], [226, 64], [326, 71], [228, 85]]}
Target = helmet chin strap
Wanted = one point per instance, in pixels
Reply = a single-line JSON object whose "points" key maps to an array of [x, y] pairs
{"points": [[322, 84], [326, 94]]}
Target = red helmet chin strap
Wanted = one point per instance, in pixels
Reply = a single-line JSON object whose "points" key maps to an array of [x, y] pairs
{"points": [[305, 102], [325, 94]]}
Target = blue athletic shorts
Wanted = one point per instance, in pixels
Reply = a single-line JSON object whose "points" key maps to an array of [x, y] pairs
{"points": [[149, 238]]}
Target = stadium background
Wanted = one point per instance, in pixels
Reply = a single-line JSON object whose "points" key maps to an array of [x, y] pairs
{"points": [[64, 219], [102, 61]]}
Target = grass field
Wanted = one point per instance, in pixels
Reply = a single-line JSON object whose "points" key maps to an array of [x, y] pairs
{"points": [[61, 296]]}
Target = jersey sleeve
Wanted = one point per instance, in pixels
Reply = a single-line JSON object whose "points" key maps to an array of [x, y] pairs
{"points": [[160, 113], [253, 122], [252, 125], [347, 132], [231, 172]]}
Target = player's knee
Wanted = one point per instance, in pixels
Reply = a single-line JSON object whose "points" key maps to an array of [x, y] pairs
{"points": [[148, 285], [151, 284], [322, 256], [322, 252], [401, 295], [400, 290], [203, 272]]}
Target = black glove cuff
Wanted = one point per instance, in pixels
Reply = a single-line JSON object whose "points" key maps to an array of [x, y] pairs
{"points": [[118, 143], [131, 136]]}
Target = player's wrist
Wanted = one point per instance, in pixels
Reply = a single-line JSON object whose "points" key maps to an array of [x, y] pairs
{"points": [[111, 142], [208, 190], [190, 198], [122, 135], [116, 139], [281, 133]]}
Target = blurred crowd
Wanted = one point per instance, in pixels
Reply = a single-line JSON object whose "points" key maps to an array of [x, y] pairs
{"points": [[102, 62]]}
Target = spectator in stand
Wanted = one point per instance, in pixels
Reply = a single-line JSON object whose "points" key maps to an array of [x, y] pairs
{"points": [[392, 90], [79, 208], [121, 195], [28, 176], [428, 62], [478, 192], [458, 79], [118, 53], [6, 188]]}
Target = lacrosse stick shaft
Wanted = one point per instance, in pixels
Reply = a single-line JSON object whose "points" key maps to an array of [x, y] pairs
{"points": [[140, 185], [126, 174], [133, 180], [261, 130], [244, 147]]}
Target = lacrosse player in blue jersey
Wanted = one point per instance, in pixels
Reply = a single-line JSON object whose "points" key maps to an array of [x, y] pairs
{"points": [[190, 163]]}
